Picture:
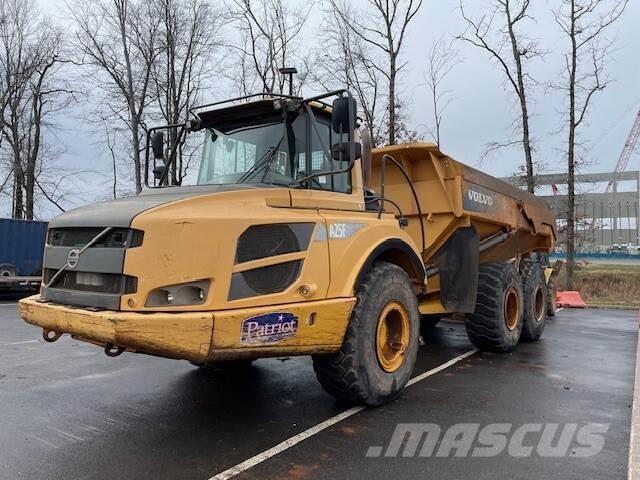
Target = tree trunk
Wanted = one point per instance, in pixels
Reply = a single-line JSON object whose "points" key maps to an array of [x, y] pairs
{"points": [[571, 211], [135, 140], [29, 190], [531, 186], [526, 138], [18, 206], [571, 155], [130, 93], [392, 100], [34, 152], [522, 97]]}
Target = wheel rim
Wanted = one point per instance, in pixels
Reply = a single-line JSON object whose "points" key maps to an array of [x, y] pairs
{"points": [[511, 309], [538, 304], [392, 337]]}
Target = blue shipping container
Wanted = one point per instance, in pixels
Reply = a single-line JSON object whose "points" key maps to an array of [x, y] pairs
{"points": [[22, 246]]}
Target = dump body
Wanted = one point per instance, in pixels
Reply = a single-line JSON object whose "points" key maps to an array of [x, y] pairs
{"points": [[453, 195]]}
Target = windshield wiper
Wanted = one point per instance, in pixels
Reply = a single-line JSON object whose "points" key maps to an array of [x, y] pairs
{"points": [[265, 160]]}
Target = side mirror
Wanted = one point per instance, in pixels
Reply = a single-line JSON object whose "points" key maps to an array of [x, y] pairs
{"points": [[341, 121], [157, 145], [158, 171], [342, 151]]}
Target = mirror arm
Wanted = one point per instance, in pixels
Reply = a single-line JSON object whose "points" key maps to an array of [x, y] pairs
{"points": [[146, 158], [167, 167], [352, 128]]}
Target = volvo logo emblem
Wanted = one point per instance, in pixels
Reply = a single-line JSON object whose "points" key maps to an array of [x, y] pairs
{"points": [[72, 258]]}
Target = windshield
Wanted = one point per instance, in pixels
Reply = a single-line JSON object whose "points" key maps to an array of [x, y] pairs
{"points": [[273, 153]]}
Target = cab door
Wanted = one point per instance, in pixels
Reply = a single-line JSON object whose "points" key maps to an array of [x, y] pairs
{"points": [[341, 191]]}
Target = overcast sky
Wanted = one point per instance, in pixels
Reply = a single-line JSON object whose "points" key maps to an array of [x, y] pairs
{"points": [[483, 107]]}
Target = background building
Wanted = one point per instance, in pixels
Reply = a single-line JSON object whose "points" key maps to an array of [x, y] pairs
{"points": [[604, 216]]}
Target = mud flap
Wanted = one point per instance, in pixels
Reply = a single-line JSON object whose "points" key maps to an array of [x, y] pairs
{"points": [[458, 262]]}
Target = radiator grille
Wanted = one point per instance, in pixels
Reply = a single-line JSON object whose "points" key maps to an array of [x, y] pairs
{"points": [[79, 237], [112, 283]]}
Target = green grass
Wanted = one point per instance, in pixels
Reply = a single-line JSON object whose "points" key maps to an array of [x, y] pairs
{"points": [[606, 285]]}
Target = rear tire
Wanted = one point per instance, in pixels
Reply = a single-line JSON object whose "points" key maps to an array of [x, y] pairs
{"points": [[380, 345], [496, 323], [535, 294]]}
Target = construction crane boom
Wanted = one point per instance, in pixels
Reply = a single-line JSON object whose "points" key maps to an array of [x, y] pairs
{"points": [[629, 147]]}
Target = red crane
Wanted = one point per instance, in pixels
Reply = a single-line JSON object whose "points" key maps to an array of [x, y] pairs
{"points": [[629, 147]]}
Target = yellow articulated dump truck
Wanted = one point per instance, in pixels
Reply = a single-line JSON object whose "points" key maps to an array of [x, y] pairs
{"points": [[298, 238]]}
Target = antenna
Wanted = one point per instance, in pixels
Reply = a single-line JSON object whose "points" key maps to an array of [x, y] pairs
{"points": [[291, 71]]}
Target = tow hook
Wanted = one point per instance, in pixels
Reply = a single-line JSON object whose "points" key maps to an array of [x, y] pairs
{"points": [[50, 336], [113, 350]]}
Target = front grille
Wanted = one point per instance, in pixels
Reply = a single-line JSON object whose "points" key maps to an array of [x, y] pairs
{"points": [[79, 237], [112, 283]]}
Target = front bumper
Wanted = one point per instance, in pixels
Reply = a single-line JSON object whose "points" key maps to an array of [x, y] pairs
{"points": [[196, 336]]}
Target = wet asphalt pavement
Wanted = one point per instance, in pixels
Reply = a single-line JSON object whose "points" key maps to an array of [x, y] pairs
{"points": [[69, 412]]}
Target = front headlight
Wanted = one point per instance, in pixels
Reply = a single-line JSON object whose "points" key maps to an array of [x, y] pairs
{"points": [[191, 293]]}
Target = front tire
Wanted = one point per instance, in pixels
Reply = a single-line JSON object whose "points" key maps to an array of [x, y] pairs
{"points": [[380, 345], [496, 323]]}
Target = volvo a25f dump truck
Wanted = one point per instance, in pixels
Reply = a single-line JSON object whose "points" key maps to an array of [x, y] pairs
{"points": [[297, 238]]}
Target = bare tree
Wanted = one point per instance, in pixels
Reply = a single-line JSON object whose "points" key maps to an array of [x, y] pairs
{"points": [[383, 25], [118, 41], [442, 60], [268, 37], [29, 58], [111, 140], [188, 33], [343, 60], [584, 24], [498, 32]]}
